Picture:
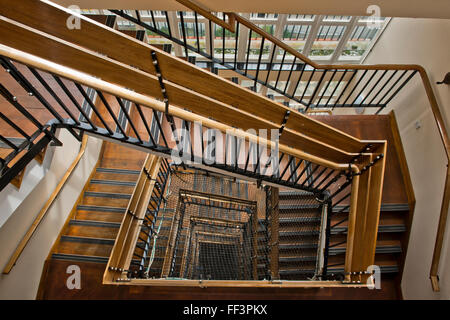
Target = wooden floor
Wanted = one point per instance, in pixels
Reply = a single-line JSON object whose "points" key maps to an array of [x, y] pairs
{"points": [[91, 288]]}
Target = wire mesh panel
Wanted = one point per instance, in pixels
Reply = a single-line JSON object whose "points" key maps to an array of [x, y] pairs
{"points": [[217, 245], [194, 180], [214, 227]]}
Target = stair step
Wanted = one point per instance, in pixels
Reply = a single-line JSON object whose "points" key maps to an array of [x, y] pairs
{"points": [[99, 216], [130, 177], [298, 233], [383, 269], [120, 171], [107, 195], [383, 249], [384, 207], [99, 200], [381, 228], [283, 220], [297, 207], [111, 188], [80, 258], [93, 229], [85, 246], [100, 208], [293, 194], [91, 223], [113, 182]]}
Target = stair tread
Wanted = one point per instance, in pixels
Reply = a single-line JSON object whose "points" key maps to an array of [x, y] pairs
{"points": [[99, 216]]}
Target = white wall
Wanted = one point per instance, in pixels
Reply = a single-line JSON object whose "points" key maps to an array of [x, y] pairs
{"points": [[11, 196], [424, 42], [23, 280]]}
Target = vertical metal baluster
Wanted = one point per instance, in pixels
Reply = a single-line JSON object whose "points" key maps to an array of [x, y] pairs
{"points": [[289, 76], [382, 87], [183, 30], [279, 71], [335, 88], [74, 101], [168, 24], [269, 66], [248, 51], [124, 110], [91, 104], [326, 87], [197, 32], [365, 86], [236, 45], [141, 114], [259, 63], [113, 116], [345, 88], [316, 89]]}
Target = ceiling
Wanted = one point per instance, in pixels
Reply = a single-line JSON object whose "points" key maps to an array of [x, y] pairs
{"points": [[388, 8]]}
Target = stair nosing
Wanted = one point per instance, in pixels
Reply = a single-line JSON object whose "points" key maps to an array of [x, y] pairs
{"points": [[113, 182], [95, 223], [119, 171], [110, 195], [100, 208]]}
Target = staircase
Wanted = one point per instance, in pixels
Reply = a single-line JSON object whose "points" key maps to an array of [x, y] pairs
{"points": [[299, 220], [195, 94], [397, 205], [91, 230]]}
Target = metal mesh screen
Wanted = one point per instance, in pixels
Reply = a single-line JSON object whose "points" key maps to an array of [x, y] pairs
{"points": [[214, 227]]}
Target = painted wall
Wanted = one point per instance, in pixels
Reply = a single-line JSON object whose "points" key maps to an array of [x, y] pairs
{"points": [[23, 280], [424, 42], [11, 197]]}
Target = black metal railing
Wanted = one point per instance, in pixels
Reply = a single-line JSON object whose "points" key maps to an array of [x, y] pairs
{"points": [[148, 231], [304, 83], [110, 118]]}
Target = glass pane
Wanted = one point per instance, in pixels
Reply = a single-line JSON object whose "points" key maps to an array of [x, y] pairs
{"points": [[359, 42], [303, 85], [300, 17], [326, 41], [230, 43], [337, 18], [255, 43], [296, 35]]}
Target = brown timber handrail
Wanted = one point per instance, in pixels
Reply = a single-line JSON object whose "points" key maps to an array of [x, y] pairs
{"points": [[127, 237], [208, 15], [26, 238], [160, 106]]}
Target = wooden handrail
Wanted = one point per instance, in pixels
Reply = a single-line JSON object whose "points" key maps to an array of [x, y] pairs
{"points": [[208, 15], [26, 238], [127, 236], [155, 104], [132, 52]]}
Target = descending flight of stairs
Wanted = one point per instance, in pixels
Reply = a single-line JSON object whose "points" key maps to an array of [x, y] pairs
{"points": [[91, 232], [298, 236], [94, 222]]}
